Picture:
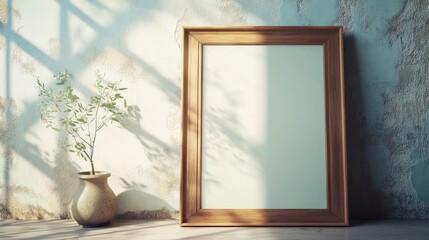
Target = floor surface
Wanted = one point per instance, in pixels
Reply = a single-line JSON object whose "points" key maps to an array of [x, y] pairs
{"points": [[169, 229]]}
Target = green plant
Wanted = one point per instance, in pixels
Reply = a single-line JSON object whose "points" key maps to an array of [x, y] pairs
{"points": [[63, 110]]}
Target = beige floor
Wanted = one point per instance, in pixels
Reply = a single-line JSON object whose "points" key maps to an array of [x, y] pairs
{"points": [[169, 229]]}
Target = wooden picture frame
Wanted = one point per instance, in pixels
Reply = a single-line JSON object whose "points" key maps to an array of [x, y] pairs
{"points": [[191, 211]]}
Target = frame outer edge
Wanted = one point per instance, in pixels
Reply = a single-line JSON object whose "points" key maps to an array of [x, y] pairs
{"points": [[344, 218], [184, 137], [343, 117]]}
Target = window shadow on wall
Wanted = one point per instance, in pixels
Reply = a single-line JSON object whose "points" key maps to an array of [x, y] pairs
{"points": [[17, 126]]}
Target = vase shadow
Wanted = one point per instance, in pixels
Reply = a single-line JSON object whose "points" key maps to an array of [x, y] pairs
{"points": [[135, 204]]}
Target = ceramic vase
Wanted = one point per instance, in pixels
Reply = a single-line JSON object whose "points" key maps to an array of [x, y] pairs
{"points": [[95, 203]]}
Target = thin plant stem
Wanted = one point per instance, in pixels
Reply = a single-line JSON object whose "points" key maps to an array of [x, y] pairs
{"points": [[93, 140]]}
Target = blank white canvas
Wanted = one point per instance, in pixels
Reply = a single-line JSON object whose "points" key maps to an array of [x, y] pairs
{"points": [[263, 139]]}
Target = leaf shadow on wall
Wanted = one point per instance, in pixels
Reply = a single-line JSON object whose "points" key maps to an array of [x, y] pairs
{"points": [[109, 36], [163, 159]]}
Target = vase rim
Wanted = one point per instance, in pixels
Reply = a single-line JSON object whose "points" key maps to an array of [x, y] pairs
{"points": [[98, 174]]}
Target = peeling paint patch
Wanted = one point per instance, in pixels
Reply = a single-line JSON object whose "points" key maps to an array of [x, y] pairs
{"points": [[231, 14], [2, 43], [66, 214], [178, 31], [4, 212], [300, 5], [66, 182], [19, 211], [26, 63], [163, 171], [149, 214], [7, 113], [7, 128], [15, 209], [345, 16], [54, 47], [174, 125], [3, 12], [276, 7], [112, 59]]}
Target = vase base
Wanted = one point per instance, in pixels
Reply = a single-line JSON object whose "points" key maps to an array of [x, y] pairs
{"points": [[96, 225]]}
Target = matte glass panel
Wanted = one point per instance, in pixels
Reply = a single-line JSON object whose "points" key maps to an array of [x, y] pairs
{"points": [[263, 121]]}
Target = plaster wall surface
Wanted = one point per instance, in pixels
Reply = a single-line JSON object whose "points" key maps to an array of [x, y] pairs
{"points": [[387, 97]]}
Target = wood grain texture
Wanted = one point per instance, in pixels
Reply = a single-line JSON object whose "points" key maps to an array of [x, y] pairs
{"points": [[190, 128], [336, 165]]}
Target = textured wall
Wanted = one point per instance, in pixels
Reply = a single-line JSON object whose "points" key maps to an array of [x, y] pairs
{"points": [[386, 61]]}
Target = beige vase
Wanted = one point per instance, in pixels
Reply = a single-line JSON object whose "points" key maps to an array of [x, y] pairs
{"points": [[95, 203]]}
